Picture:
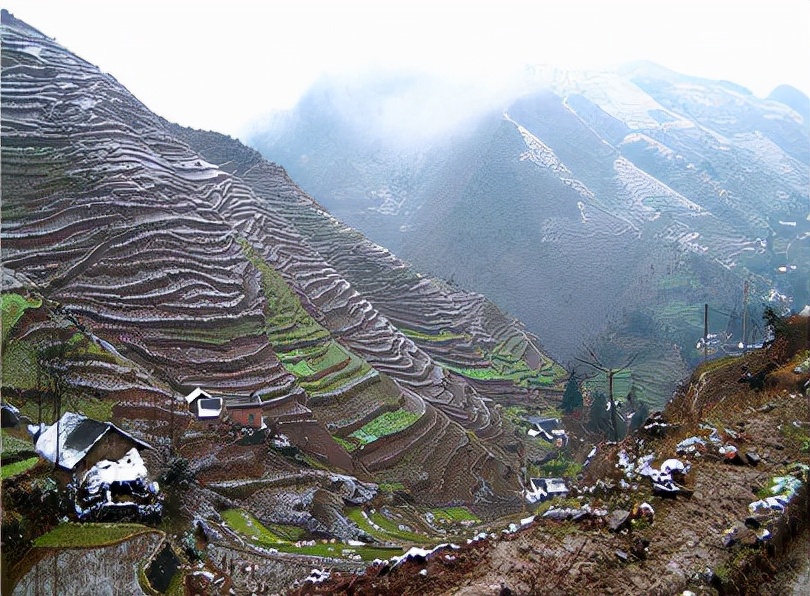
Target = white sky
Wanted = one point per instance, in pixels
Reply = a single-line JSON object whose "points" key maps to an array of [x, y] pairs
{"points": [[218, 65]]}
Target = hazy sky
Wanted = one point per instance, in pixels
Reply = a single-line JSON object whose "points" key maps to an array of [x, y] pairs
{"points": [[218, 65]]}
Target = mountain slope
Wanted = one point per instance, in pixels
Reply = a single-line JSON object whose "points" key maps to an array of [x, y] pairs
{"points": [[600, 208], [230, 278]]}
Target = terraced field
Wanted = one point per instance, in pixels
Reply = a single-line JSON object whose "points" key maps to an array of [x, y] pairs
{"points": [[172, 272]]}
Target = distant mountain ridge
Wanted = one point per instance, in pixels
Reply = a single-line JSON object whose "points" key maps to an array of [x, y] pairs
{"points": [[793, 98], [599, 207]]}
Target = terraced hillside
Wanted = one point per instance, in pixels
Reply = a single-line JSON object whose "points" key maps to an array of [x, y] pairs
{"points": [[230, 278], [464, 332], [599, 207]]}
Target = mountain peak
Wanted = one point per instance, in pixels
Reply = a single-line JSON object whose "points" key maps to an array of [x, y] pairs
{"points": [[793, 98]]}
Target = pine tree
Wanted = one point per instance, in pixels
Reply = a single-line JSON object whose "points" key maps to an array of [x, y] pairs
{"points": [[599, 419], [572, 398], [639, 416]]}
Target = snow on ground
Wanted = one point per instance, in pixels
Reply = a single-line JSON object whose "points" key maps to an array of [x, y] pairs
{"points": [[620, 98], [127, 469], [544, 156], [35, 51]]}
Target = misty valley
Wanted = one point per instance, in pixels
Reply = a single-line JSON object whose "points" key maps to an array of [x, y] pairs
{"points": [[413, 336]]}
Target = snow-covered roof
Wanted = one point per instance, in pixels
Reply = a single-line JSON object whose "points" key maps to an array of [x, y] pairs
{"points": [[127, 469], [209, 407], [549, 485], [77, 435], [540, 489], [546, 424], [195, 394]]}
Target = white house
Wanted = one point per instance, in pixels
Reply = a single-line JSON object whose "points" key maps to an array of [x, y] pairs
{"points": [[203, 405]]}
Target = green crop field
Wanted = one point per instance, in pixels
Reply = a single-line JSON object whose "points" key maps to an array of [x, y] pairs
{"points": [[287, 323], [506, 366], [283, 540], [303, 346], [70, 535], [455, 514], [11, 470], [386, 424], [13, 308]]}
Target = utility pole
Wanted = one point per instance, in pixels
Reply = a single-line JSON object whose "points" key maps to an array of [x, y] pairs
{"points": [[745, 318], [705, 332]]}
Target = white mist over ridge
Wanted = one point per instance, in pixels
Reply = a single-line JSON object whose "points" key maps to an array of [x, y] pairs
{"points": [[220, 67]]}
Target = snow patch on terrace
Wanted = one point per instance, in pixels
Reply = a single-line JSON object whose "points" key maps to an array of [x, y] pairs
{"points": [[86, 103], [658, 146], [764, 150], [35, 51], [639, 182], [619, 98], [197, 170], [544, 156]]}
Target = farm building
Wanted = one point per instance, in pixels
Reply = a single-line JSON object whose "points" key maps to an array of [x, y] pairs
{"points": [[76, 443], [540, 489], [247, 413], [203, 405], [549, 429]]}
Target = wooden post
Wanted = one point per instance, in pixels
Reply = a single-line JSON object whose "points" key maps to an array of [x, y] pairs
{"points": [[611, 372]]}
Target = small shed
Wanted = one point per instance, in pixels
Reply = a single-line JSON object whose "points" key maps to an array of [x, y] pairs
{"points": [[203, 405], [76, 443], [549, 429], [540, 489]]}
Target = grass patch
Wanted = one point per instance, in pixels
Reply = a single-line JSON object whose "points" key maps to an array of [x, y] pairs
{"points": [[390, 487], [13, 445], [13, 308], [560, 466], [246, 524], [388, 532], [454, 514], [386, 424], [716, 364], [391, 527], [72, 535], [20, 364], [443, 335], [283, 538], [800, 436], [17, 468], [347, 445], [92, 407], [21, 367]]}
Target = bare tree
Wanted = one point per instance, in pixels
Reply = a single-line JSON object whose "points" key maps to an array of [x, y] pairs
{"points": [[52, 377], [594, 362]]}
